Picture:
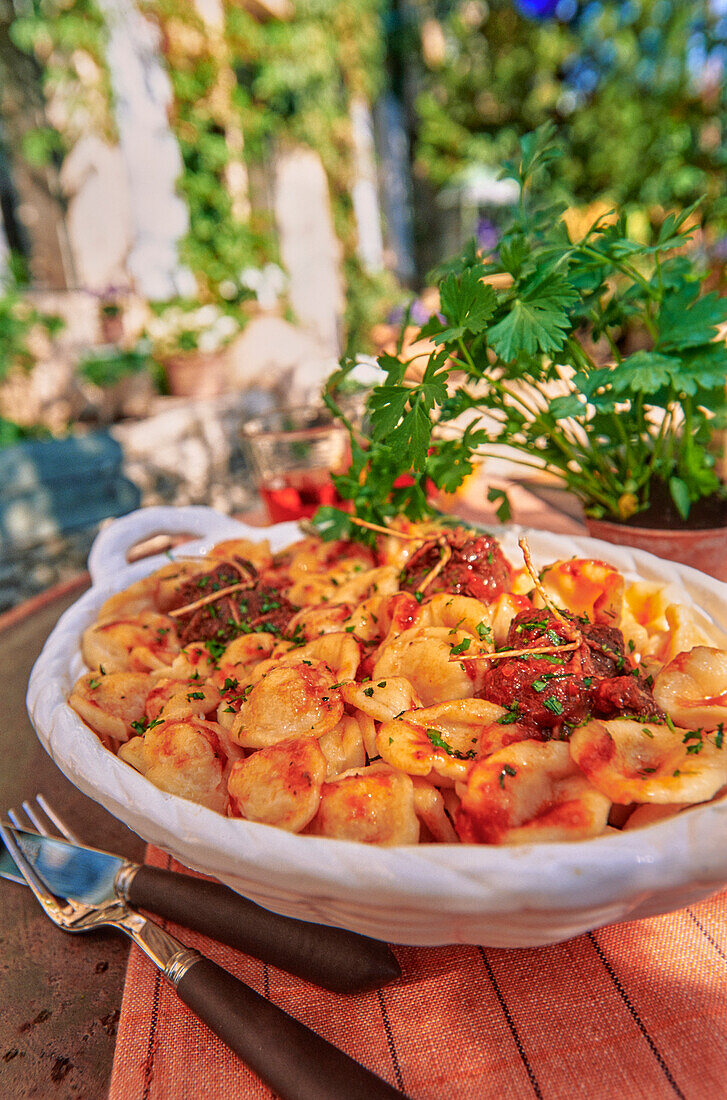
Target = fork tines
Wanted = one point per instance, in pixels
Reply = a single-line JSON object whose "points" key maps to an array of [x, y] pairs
{"points": [[39, 820]]}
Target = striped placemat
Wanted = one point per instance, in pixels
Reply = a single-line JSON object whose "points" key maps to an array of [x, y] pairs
{"points": [[635, 1010]]}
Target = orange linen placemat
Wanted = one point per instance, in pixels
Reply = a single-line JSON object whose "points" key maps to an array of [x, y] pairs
{"points": [[632, 1011]]}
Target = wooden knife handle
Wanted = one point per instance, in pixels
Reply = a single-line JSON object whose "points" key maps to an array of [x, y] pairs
{"points": [[330, 957], [296, 1063]]}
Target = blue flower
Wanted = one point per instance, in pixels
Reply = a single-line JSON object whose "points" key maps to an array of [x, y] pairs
{"points": [[537, 9], [487, 235]]}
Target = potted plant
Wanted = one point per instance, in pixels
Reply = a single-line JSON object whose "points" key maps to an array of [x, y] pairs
{"points": [[188, 342], [111, 321], [635, 439], [23, 331]]}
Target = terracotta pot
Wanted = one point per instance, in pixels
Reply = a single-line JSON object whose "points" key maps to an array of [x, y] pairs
{"points": [[112, 328], [705, 549], [196, 374]]}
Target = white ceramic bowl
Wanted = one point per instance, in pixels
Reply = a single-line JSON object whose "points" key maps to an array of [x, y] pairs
{"points": [[426, 894]]}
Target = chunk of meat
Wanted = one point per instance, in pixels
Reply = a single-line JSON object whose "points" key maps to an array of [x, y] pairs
{"points": [[477, 567]]}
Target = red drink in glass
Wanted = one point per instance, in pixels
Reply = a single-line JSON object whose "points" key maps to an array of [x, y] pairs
{"points": [[297, 494]]}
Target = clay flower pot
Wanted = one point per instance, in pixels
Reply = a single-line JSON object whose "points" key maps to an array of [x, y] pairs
{"points": [[704, 549], [112, 327], [196, 374]]}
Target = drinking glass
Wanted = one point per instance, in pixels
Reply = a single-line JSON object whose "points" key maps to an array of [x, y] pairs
{"points": [[292, 453]]}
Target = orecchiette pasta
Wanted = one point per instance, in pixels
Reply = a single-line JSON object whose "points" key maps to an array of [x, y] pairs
{"points": [[530, 791], [280, 785], [418, 690]]}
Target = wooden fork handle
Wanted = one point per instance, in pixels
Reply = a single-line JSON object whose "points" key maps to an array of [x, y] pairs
{"points": [[330, 957], [296, 1063]]}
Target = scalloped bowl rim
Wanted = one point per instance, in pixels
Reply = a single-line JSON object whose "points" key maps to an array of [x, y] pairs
{"points": [[423, 894]]}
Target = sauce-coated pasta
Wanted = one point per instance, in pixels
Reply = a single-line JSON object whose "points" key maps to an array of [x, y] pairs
{"points": [[423, 691]]}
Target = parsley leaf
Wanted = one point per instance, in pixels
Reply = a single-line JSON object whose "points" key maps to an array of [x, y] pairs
{"points": [[537, 319], [466, 303]]}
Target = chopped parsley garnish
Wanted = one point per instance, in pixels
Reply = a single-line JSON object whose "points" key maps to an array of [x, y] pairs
{"points": [[230, 684], [553, 705], [531, 624], [719, 736], [542, 682], [298, 637], [93, 684], [438, 742], [696, 737], [507, 770], [419, 597], [369, 692], [215, 648], [195, 695], [484, 632], [463, 645], [513, 714], [144, 724]]}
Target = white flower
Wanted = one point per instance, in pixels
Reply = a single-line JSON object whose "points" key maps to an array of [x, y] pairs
{"points": [[227, 289], [208, 342], [227, 327], [207, 315]]}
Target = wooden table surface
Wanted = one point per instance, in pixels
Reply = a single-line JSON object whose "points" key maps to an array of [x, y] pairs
{"points": [[59, 994]]}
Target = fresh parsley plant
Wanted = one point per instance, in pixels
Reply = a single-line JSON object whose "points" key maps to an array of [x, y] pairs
{"points": [[513, 362]]}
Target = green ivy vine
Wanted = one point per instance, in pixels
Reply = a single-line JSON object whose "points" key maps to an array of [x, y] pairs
{"points": [[220, 243], [67, 39]]}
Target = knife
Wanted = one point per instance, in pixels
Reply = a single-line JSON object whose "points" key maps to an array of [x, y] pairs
{"points": [[334, 958]]}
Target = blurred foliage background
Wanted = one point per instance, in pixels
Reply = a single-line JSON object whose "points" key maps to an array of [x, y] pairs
{"points": [[636, 89]]}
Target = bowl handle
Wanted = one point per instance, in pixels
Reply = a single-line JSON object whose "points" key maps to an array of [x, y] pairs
{"points": [[109, 552]]}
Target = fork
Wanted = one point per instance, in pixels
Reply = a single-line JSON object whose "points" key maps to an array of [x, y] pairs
{"points": [[37, 821], [295, 1062], [334, 958]]}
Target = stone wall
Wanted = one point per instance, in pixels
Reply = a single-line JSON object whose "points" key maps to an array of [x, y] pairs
{"points": [[187, 453]]}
